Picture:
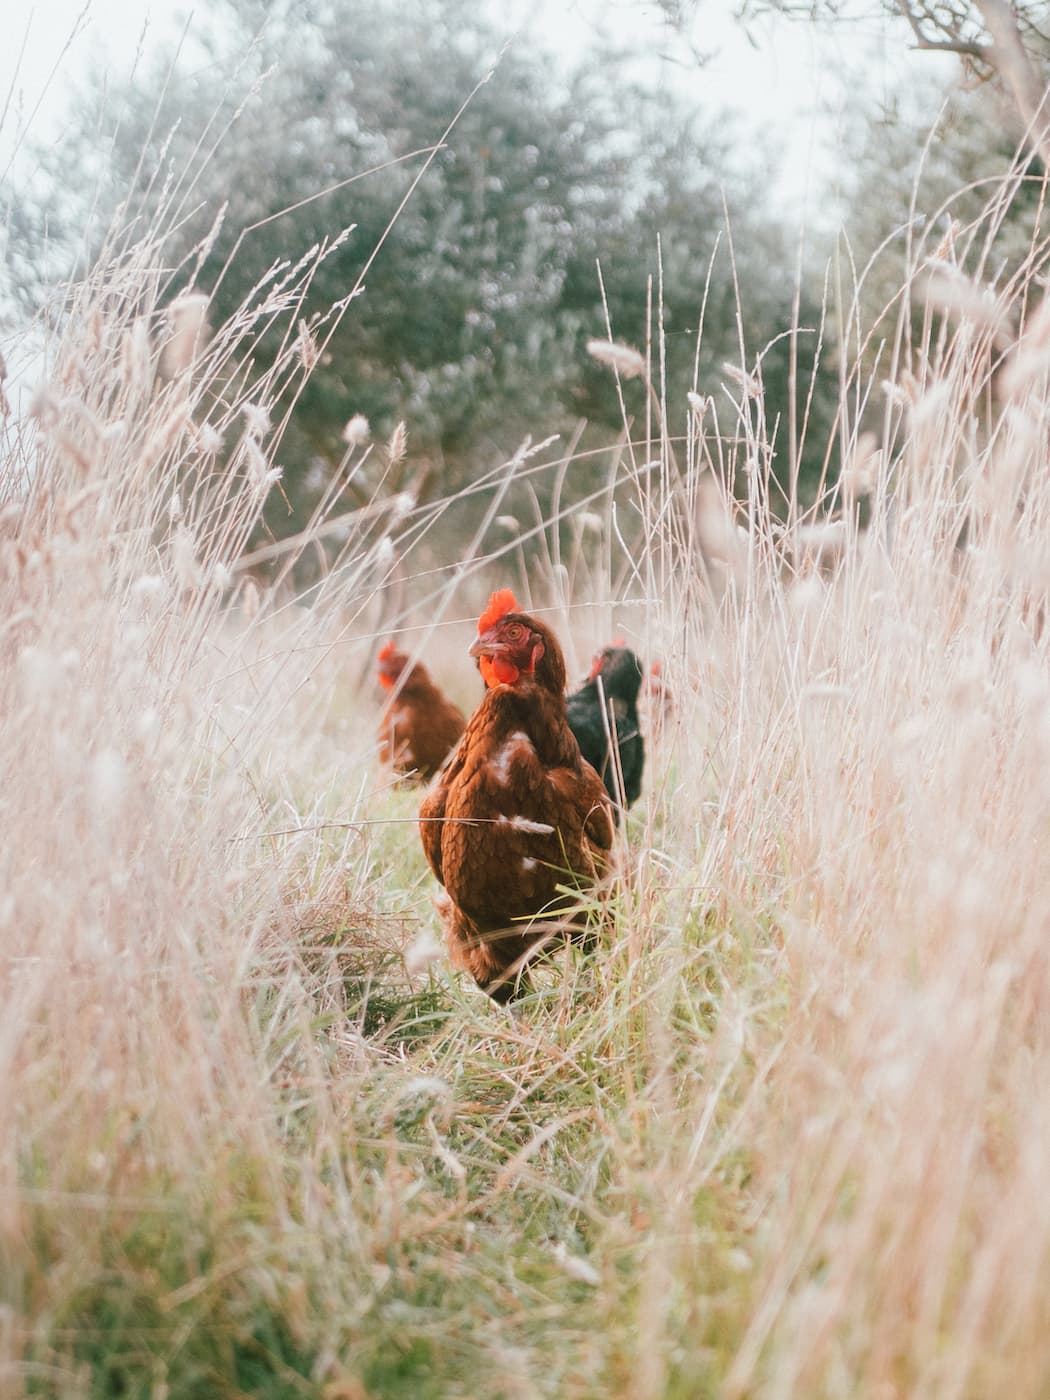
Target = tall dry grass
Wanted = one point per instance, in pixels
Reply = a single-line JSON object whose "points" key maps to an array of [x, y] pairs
{"points": [[783, 1136], [882, 719]]}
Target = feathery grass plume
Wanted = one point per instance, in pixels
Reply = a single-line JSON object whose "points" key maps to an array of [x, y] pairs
{"points": [[946, 250], [950, 290], [750, 383], [260, 473], [188, 321], [904, 391], [821, 541], [356, 430], [860, 471], [256, 420], [209, 440], [398, 444], [1030, 359], [627, 362], [306, 346], [424, 951], [137, 356], [716, 532], [402, 505]]}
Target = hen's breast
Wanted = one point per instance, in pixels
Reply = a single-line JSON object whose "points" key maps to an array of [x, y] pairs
{"points": [[512, 831]]}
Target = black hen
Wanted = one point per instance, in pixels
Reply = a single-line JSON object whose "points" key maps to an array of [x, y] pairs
{"points": [[617, 674]]}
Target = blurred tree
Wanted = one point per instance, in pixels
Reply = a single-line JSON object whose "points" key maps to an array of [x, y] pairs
{"points": [[943, 201], [473, 314], [952, 183]]}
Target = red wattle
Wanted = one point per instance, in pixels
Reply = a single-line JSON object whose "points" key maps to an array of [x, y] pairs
{"points": [[497, 671]]}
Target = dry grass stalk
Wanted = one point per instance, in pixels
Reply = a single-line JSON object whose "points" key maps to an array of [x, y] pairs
{"points": [[787, 1127]]}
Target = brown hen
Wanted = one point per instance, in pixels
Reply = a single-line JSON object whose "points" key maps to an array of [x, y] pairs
{"points": [[419, 726], [517, 812]]}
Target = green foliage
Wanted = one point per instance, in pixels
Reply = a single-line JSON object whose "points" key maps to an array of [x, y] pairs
{"points": [[472, 316]]}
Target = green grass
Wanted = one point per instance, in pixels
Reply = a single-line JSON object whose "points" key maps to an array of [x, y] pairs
{"points": [[505, 1174]]}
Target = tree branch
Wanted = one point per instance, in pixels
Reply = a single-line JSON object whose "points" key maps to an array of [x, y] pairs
{"points": [[967, 48], [1011, 60]]}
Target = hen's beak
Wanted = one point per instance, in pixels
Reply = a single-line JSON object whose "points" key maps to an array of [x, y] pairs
{"points": [[487, 645]]}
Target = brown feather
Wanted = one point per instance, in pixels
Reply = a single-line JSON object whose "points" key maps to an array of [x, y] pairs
{"points": [[516, 813], [419, 726]]}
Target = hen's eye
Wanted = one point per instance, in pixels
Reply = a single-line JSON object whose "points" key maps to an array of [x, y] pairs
{"points": [[515, 631]]}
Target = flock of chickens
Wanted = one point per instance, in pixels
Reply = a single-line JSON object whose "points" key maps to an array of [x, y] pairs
{"points": [[519, 819]]}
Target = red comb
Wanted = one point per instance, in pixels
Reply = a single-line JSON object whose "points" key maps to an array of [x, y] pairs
{"points": [[619, 641], [501, 603], [387, 652]]}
